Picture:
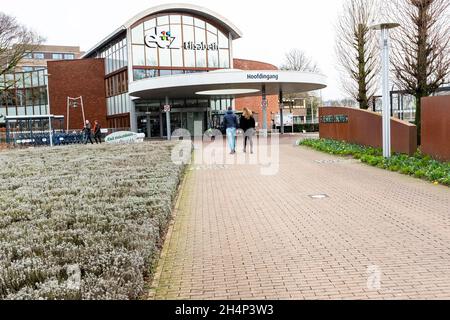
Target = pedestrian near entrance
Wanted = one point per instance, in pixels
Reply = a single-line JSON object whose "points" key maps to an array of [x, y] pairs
{"points": [[248, 124], [230, 123], [87, 130], [97, 132]]}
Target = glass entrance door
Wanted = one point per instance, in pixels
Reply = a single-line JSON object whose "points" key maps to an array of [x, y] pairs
{"points": [[149, 124]]}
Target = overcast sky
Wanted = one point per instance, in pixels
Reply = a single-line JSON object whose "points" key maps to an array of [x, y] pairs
{"points": [[269, 28]]}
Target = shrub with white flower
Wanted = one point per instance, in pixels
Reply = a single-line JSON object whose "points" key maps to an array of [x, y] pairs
{"points": [[83, 222]]}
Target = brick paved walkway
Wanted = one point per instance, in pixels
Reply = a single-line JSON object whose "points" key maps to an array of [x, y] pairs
{"points": [[241, 235]]}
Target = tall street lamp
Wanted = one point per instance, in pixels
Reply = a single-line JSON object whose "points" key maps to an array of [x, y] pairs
{"points": [[385, 27], [46, 75]]}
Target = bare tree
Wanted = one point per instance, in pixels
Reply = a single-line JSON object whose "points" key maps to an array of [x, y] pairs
{"points": [[421, 47], [357, 50], [16, 41], [297, 60]]}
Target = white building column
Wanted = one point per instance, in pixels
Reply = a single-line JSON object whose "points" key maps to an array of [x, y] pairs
{"points": [[133, 117]]}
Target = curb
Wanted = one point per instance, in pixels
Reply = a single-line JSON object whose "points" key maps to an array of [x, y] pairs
{"points": [[164, 252]]}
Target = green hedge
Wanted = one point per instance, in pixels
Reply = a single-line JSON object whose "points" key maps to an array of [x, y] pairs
{"points": [[419, 166]]}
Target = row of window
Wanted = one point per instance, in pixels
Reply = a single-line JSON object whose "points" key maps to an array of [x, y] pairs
{"points": [[221, 104], [22, 111], [49, 56], [116, 56], [139, 74], [30, 69], [23, 79], [117, 84], [24, 97], [118, 104], [23, 93]]}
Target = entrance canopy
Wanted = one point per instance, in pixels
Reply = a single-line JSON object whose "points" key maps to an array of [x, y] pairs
{"points": [[226, 83]]}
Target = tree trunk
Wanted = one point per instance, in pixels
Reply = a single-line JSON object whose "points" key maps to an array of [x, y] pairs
{"points": [[362, 84], [418, 121]]}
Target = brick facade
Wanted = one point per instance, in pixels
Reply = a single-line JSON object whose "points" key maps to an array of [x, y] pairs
{"points": [[77, 78], [254, 103], [436, 127]]}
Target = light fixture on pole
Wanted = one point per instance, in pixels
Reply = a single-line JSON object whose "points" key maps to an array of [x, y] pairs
{"points": [[46, 75], [385, 27]]}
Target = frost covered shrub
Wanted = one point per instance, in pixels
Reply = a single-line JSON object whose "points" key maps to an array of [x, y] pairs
{"points": [[98, 210]]}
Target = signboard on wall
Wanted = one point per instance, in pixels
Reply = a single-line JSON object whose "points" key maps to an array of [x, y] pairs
{"points": [[334, 119], [125, 137]]}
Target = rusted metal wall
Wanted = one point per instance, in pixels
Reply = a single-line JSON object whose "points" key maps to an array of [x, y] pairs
{"points": [[365, 128], [436, 127]]}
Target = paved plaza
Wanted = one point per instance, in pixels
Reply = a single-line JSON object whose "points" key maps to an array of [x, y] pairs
{"points": [[373, 234]]}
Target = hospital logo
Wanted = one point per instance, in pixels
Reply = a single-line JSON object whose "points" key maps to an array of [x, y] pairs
{"points": [[163, 40]]}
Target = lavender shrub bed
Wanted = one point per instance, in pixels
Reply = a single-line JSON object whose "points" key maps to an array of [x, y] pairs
{"points": [[83, 222]]}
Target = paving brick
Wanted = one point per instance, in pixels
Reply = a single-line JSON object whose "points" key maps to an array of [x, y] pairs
{"points": [[241, 235]]}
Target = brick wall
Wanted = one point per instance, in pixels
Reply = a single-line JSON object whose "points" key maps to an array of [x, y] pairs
{"points": [[436, 127], [254, 102], [365, 128], [76, 78]]}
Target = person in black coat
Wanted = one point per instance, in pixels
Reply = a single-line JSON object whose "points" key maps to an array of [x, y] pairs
{"points": [[230, 124], [248, 124], [97, 132]]}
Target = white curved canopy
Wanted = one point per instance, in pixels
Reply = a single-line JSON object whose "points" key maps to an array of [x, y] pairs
{"points": [[189, 85]]}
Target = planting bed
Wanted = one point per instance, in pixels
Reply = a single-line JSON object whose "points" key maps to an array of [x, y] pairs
{"points": [[83, 222]]}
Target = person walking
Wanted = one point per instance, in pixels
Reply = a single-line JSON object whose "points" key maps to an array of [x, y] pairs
{"points": [[230, 123], [97, 132], [87, 132], [248, 124]]}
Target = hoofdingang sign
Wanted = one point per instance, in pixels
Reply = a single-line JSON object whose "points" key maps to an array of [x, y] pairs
{"points": [[125, 137]]}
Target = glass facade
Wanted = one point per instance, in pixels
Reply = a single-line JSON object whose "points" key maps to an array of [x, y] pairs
{"points": [[115, 55], [171, 43], [119, 104], [23, 93]]}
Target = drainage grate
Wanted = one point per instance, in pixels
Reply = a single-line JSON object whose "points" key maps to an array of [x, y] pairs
{"points": [[328, 161], [319, 196]]}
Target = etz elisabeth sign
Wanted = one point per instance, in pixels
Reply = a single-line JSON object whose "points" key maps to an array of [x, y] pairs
{"points": [[165, 40]]}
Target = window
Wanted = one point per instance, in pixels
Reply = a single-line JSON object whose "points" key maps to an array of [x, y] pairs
{"points": [[28, 55], [57, 56], [69, 56], [39, 56], [138, 55], [27, 69]]}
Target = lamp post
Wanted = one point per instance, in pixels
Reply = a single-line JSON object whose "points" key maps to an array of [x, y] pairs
{"points": [[46, 75], [385, 27]]}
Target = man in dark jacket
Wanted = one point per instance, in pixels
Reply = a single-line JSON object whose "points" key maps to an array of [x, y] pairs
{"points": [[88, 133], [230, 123]]}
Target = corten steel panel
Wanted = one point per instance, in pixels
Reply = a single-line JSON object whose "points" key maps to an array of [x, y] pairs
{"points": [[365, 128], [254, 103], [77, 78], [436, 127]]}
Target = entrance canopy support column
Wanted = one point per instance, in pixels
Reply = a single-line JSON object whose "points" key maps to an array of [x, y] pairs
{"points": [[264, 107], [169, 129], [281, 112]]}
